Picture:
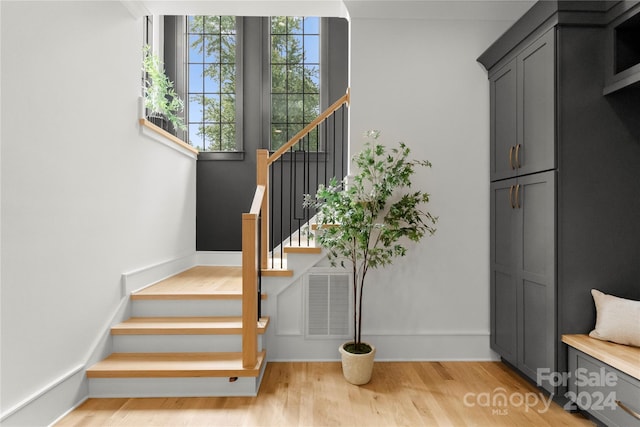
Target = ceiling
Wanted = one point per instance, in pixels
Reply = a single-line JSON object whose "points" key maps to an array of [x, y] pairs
{"points": [[502, 10], [509, 10]]}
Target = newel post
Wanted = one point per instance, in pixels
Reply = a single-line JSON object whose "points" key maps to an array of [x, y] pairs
{"points": [[249, 290]]}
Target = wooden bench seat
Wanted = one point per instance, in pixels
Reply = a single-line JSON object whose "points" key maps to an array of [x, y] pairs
{"points": [[604, 380], [624, 358]]}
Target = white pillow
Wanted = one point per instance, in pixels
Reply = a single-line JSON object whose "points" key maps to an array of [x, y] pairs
{"points": [[617, 319]]}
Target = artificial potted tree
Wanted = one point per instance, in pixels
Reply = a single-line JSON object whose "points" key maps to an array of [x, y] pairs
{"points": [[160, 98], [366, 223]]}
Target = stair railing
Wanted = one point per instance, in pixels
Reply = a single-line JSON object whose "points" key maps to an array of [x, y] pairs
{"points": [[329, 130], [250, 279], [313, 156]]}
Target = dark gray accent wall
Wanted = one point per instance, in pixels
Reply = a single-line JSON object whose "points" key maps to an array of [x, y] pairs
{"points": [[225, 187]]}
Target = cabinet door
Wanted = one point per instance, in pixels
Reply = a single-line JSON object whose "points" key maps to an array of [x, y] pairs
{"points": [[536, 69], [535, 239], [503, 270], [504, 135]]}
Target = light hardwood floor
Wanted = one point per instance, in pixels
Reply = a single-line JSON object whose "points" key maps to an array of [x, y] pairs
{"points": [[197, 281], [315, 394]]}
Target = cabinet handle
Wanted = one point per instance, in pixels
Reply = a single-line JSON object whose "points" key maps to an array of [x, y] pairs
{"points": [[628, 410], [517, 196], [518, 156], [511, 197], [511, 158]]}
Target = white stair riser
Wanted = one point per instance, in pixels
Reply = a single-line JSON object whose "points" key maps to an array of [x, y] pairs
{"points": [[175, 387], [171, 387], [189, 308], [178, 343]]}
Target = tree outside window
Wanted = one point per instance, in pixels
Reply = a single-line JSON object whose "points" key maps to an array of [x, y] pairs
{"points": [[211, 68], [295, 78]]}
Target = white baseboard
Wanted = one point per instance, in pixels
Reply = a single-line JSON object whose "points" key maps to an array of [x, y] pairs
{"points": [[70, 410], [439, 346], [45, 406], [137, 279]]}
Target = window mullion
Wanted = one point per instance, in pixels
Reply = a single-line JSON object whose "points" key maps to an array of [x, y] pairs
{"points": [[297, 76], [212, 35]]}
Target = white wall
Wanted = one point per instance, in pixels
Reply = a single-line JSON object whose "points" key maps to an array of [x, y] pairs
{"points": [[85, 196], [417, 81]]}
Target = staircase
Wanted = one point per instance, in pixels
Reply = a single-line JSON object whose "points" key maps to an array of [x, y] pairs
{"points": [[197, 333], [173, 346]]}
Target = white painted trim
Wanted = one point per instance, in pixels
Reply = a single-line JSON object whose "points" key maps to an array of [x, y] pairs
{"points": [[70, 410], [426, 334], [223, 258], [102, 345], [436, 346], [141, 278], [166, 141], [48, 392]]}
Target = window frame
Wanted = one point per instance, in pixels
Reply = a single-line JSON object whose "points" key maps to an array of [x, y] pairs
{"points": [[238, 153], [266, 81]]}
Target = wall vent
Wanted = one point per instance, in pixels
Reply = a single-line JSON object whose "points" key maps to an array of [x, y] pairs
{"points": [[328, 305]]}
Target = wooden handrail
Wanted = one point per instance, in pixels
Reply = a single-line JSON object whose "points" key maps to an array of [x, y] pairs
{"points": [[344, 99], [157, 129], [264, 160]]}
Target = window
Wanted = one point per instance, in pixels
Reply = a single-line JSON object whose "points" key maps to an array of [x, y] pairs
{"points": [[210, 58], [212, 73], [295, 77]]}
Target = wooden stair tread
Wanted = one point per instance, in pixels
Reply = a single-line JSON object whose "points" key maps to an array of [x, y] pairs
{"points": [[201, 282], [174, 365], [230, 295], [302, 250], [184, 326], [276, 272]]}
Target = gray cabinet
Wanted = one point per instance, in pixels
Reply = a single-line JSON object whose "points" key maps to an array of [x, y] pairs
{"points": [[534, 203], [565, 183], [503, 294], [523, 270], [504, 133], [523, 211], [523, 111]]}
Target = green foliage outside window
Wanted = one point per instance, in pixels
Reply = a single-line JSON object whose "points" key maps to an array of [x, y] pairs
{"points": [[295, 77], [295, 80], [212, 82]]}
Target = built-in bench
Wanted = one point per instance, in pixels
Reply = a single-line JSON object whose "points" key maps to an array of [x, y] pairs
{"points": [[604, 379]]}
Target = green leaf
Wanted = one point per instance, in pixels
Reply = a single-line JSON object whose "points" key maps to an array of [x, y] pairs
{"points": [[374, 211]]}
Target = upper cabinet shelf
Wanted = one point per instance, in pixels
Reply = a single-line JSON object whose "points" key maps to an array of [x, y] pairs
{"points": [[623, 35]]}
